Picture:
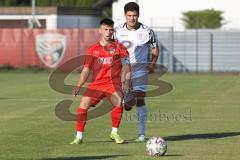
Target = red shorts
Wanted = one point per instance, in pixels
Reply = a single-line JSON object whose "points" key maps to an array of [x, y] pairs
{"points": [[98, 92]]}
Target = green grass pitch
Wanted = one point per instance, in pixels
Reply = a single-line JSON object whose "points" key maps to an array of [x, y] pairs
{"points": [[199, 118]]}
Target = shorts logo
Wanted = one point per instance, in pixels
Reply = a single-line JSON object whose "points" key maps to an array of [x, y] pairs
{"points": [[50, 48], [107, 60]]}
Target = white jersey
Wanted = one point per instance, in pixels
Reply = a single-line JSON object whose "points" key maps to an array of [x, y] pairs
{"points": [[138, 42]]}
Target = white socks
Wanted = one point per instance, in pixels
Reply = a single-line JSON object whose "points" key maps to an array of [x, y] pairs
{"points": [[114, 130], [79, 134]]}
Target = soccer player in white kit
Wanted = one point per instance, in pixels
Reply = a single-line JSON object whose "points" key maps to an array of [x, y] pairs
{"points": [[143, 51]]}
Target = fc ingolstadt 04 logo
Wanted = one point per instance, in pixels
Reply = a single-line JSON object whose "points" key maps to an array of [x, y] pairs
{"points": [[50, 48]]}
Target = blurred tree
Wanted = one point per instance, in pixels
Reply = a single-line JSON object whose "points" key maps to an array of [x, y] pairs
{"points": [[204, 19], [23, 2], [7, 2], [65, 3], [107, 12], [43, 3]]}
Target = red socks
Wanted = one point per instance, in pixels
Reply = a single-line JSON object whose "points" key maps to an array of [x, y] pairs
{"points": [[81, 119], [116, 116]]}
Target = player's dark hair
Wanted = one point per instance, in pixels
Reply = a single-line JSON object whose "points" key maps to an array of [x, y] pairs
{"points": [[131, 6], [107, 21]]}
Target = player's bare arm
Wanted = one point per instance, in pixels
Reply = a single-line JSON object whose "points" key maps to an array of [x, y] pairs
{"points": [[83, 77], [126, 77], [155, 54]]}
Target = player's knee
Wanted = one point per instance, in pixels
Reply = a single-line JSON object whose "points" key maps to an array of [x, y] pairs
{"points": [[116, 99], [85, 103], [82, 106], [117, 102]]}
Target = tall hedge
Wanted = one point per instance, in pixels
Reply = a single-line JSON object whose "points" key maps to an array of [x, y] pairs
{"points": [[203, 19]]}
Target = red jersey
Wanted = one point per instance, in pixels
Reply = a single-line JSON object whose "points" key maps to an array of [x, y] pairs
{"points": [[105, 62]]}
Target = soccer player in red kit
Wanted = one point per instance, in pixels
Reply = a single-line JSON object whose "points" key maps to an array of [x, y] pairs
{"points": [[105, 59]]}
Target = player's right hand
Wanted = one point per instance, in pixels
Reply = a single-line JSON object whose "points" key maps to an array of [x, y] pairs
{"points": [[75, 91]]}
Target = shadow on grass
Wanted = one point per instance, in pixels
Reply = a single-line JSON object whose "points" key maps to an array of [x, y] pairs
{"points": [[201, 136], [181, 137], [85, 157], [104, 141], [126, 141], [172, 155], [5, 98]]}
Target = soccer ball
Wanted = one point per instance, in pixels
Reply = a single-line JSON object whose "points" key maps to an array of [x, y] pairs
{"points": [[156, 146]]}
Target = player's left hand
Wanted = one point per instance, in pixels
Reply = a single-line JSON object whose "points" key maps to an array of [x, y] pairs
{"points": [[75, 91]]}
